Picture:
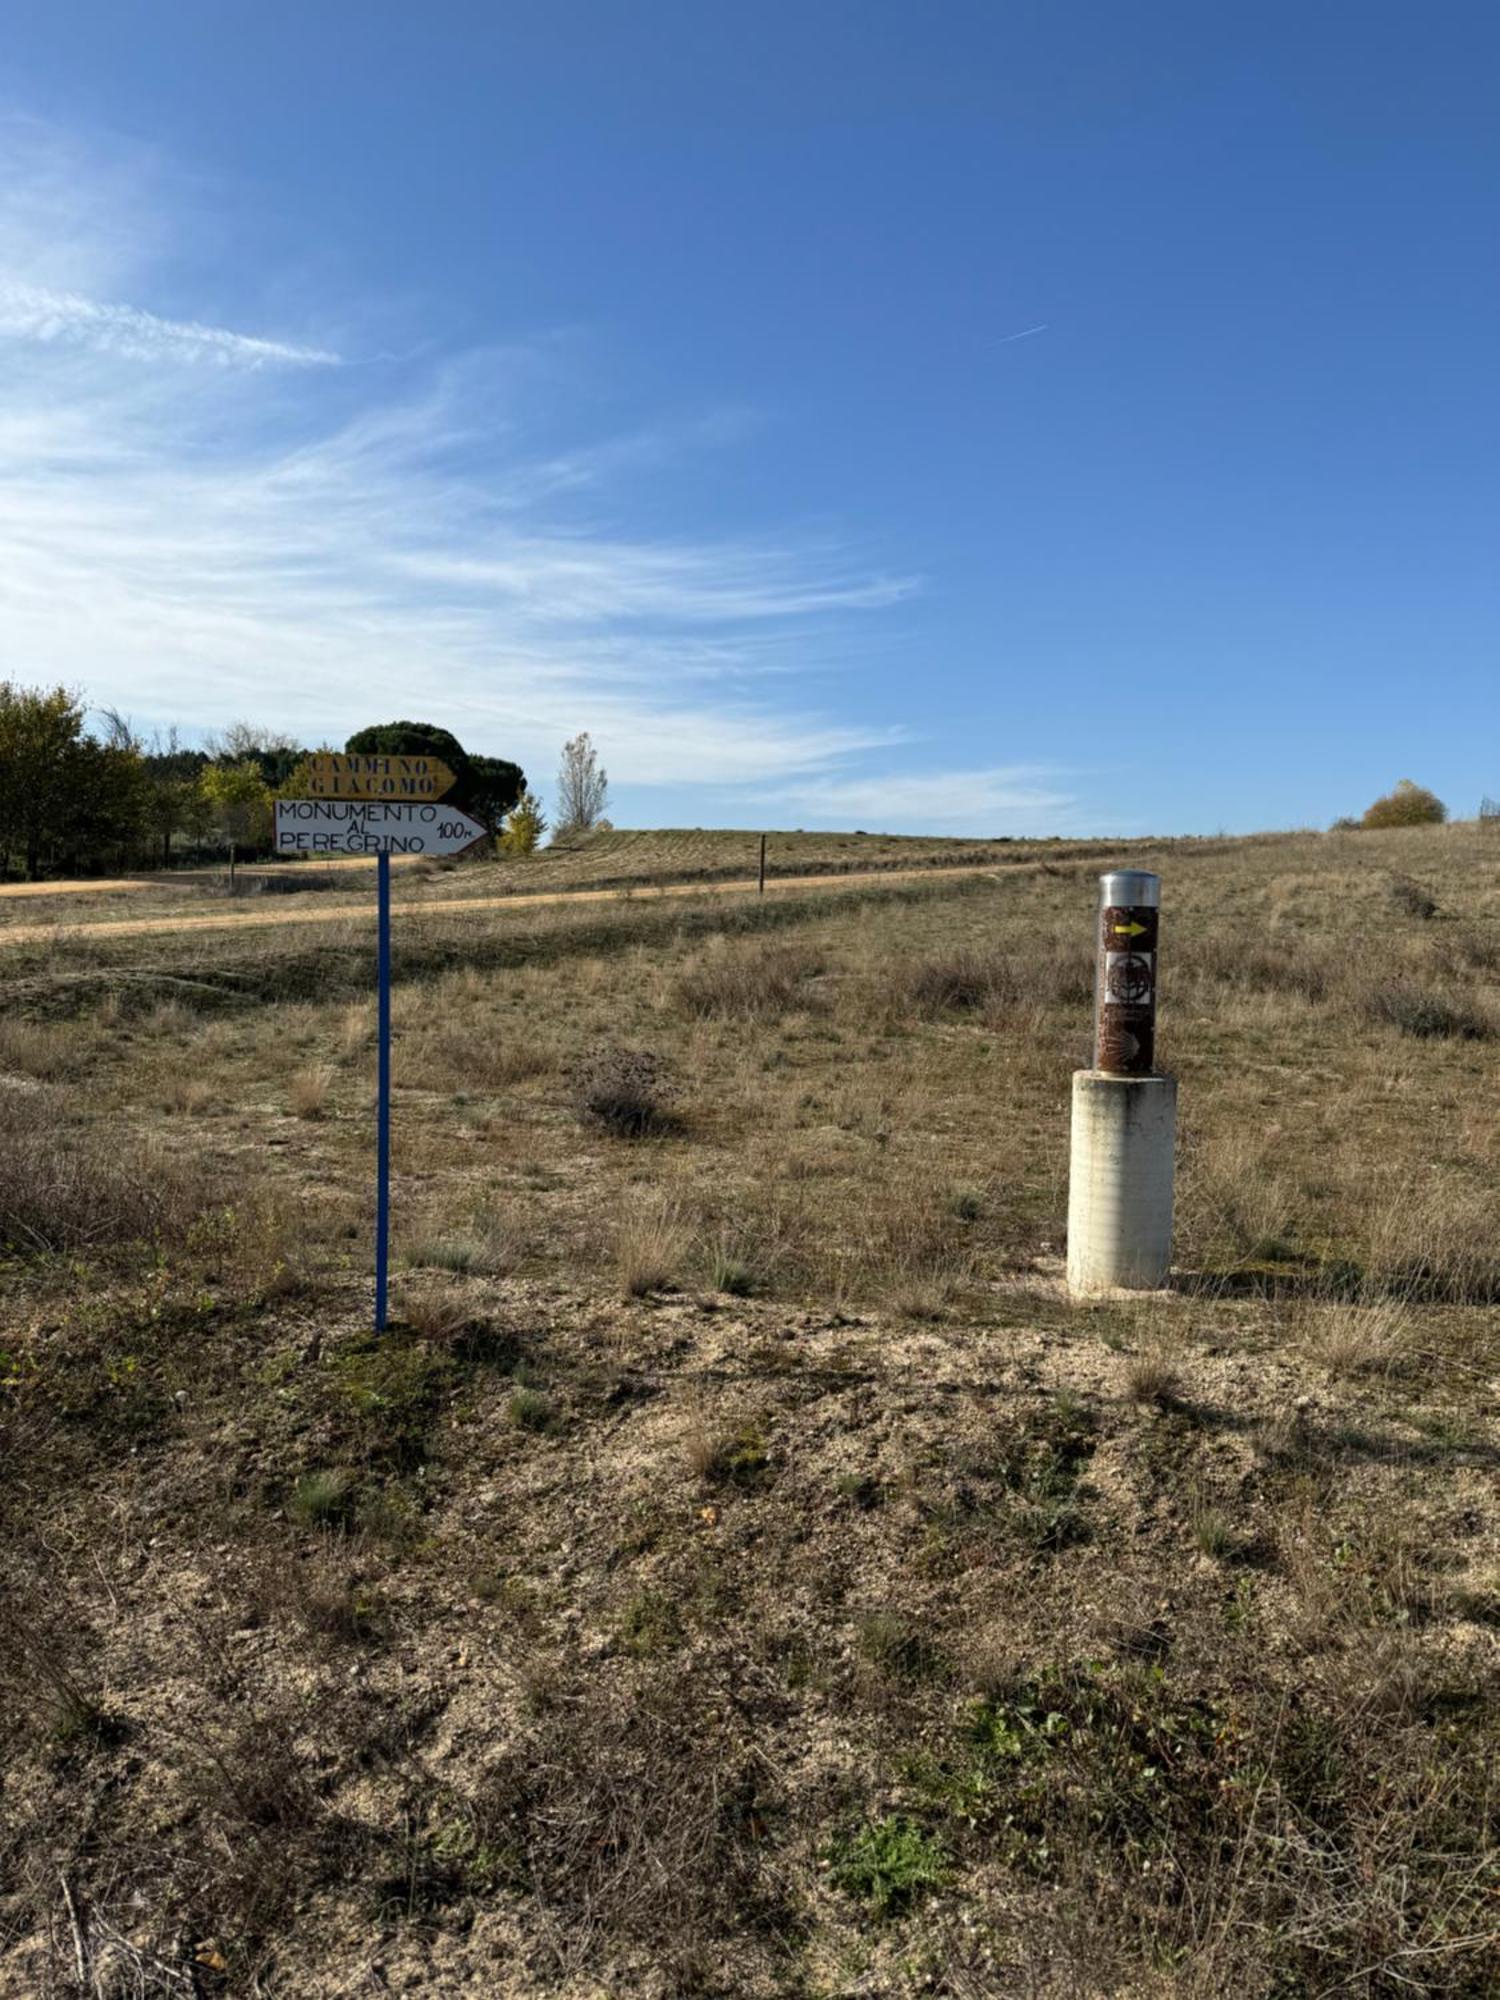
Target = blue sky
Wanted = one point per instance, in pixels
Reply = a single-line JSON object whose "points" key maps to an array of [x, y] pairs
{"points": [[968, 418]]}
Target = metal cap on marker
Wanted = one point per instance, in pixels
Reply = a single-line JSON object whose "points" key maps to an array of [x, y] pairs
{"points": [[1130, 889]]}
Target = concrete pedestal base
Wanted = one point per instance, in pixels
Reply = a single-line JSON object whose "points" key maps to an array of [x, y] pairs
{"points": [[1120, 1182]]}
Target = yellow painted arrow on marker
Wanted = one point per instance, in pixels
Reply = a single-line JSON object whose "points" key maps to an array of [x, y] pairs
{"points": [[1132, 929]]}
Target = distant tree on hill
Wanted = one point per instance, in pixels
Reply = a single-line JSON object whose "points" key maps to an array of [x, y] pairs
{"points": [[488, 787], [63, 793], [524, 826], [274, 752], [582, 788], [1407, 805], [239, 803], [171, 801]]}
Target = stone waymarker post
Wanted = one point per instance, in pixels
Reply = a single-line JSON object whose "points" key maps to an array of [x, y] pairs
{"points": [[1120, 1169], [382, 806]]}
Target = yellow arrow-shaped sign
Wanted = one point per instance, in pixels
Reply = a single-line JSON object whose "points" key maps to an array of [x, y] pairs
{"points": [[341, 774], [1132, 929]]}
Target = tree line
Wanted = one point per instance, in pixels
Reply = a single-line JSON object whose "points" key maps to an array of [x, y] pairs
{"points": [[82, 800]]}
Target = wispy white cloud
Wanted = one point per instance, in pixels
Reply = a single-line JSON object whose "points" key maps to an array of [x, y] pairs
{"points": [[34, 312], [1007, 798], [322, 547]]}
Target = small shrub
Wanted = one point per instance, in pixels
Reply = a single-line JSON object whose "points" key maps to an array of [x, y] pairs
{"points": [[439, 1315], [738, 1459], [1426, 1015], [730, 1273], [468, 1253], [308, 1092], [322, 1499], [1407, 805], [746, 982], [651, 1243], [1349, 1339], [626, 1092], [41, 1668], [628, 1804], [320, 1597], [1412, 900], [924, 1288], [1151, 1379], [650, 1624], [1287, 965], [530, 1409], [898, 1647], [967, 1203], [889, 1865], [1211, 1530], [959, 981], [525, 824], [66, 1187], [190, 1096], [42, 1049]]}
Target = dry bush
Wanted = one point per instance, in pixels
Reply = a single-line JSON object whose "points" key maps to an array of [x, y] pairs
{"points": [[626, 1092], [170, 1020], [265, 1836], [43, 1644], [188, 1096], [1462, 952], [356, 1028], [485, 1249], [463, 1054], [651, 1245], [49, 1051], [1350, 1339], [728, 1457], [747, 981], [437, 1313], [999, 987], [1150, 1378], [1233, 1203], [319, 1592], [924, 1287], [1407, 805], [1431, 1243], [1412, 900], [1424, 1012], [901, 1246], [962, 980], [1286, 964], [1059, 971], [65, 1186], [629, 1813], [308, 1092]]}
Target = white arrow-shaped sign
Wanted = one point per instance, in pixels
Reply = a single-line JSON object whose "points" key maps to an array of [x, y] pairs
{"points": [[359, 826]]}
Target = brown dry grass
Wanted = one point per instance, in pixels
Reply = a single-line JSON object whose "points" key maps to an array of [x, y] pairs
{"points": [[740, 1508]]}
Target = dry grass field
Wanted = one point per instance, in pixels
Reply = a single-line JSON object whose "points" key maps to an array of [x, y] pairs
{"points": [[740, 1570], [600, 860]]}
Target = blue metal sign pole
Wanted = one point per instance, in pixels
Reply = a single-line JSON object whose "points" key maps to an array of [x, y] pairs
{"points": [[347, 821], [383, 1089]]}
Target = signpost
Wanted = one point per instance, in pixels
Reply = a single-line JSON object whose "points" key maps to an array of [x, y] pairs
{"points": [[365, 810], [371, 826]]}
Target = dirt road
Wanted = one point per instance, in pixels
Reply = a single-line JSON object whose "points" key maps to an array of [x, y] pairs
{"points": [[263, 918], [108, 887]]}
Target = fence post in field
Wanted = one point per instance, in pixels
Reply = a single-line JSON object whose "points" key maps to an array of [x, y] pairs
{"points": [[1124, 1114], [763, 864]]}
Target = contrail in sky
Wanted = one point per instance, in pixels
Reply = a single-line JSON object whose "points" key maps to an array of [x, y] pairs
{"points": [[1025, 334]]}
